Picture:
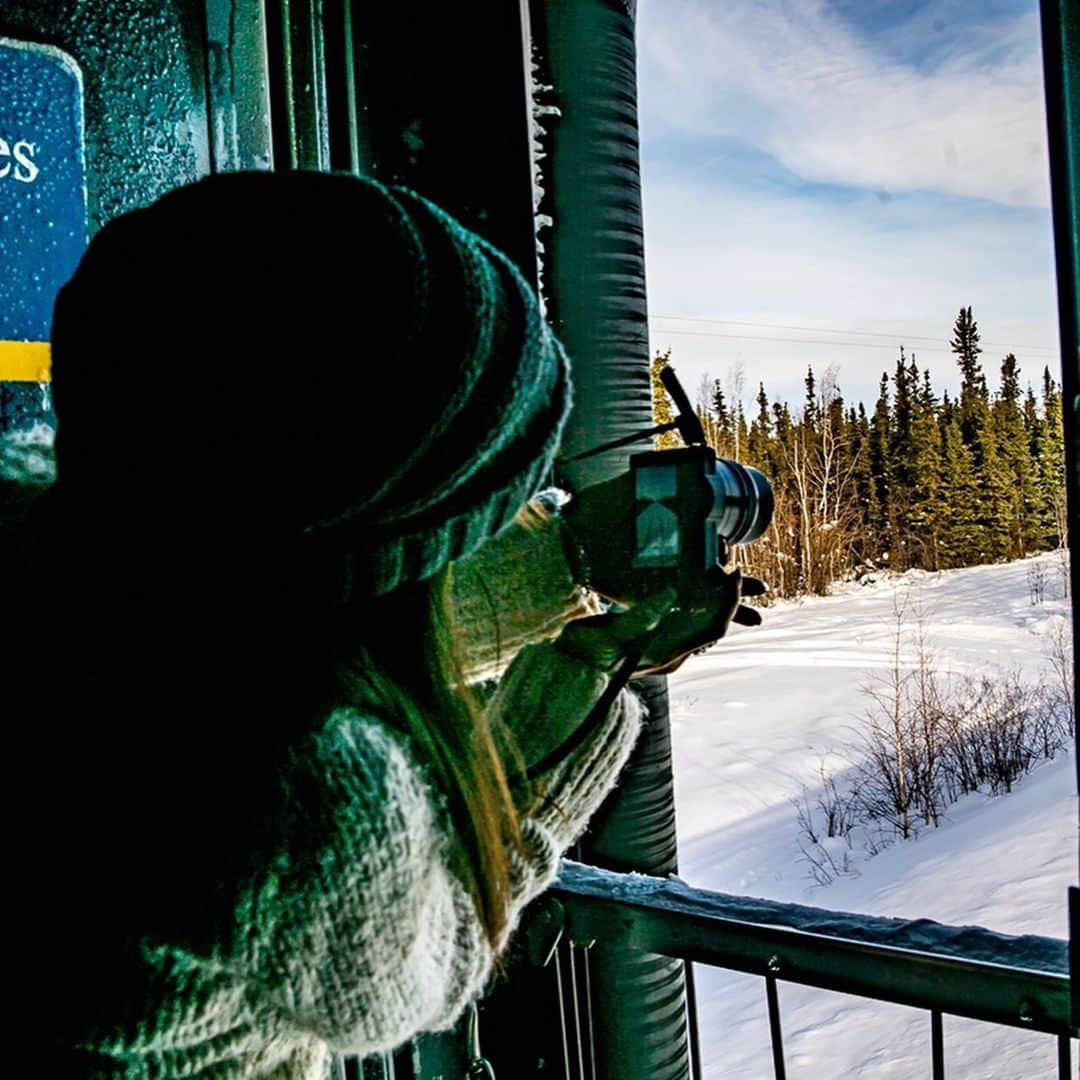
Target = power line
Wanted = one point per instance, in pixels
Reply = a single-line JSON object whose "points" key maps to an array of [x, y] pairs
{"points": [[827, 330], [792, 341]]}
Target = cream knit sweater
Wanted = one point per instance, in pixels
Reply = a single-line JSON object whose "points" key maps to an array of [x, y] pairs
{"points": [[356, 935], [382, 942]]}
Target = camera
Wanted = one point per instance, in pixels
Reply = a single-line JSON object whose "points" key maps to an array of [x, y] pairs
{"points": [[688, 505]]}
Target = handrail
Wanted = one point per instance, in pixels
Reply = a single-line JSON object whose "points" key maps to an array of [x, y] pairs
{"points": [[965, 971]]}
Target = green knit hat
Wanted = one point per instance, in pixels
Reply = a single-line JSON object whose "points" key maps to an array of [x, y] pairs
{"points": [[304, 354]]}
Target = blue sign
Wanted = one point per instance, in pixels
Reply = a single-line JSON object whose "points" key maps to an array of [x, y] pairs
{"points": [[42, 214]]}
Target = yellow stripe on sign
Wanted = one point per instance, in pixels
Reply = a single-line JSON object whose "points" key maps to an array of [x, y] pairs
{"points": [[25, 361]]}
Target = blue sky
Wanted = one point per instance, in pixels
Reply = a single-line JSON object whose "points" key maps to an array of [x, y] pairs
{"points": [[855, 169]]}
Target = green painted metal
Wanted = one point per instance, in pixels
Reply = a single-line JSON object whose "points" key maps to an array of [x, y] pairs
{"points": [[1061, 67], [298, 84], [637, 1025], [238, 85], [965, 971]]}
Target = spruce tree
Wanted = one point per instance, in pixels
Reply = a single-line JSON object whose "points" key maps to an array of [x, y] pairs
{"points": [[783, 427], [810, 405], [948, 408], [925, 472], [741, 432], [919, 481], [996, 525], [973, 400], [759, 442], [900, 463], [865, 488], [663, 411], [990, 535], [723, 422], [880, 468], [958, 534], [1032, 423], [1051, 466], [1014, 479]]}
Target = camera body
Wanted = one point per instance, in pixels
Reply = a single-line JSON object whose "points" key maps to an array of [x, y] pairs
{"points": [[676, 511], [688, 506]]}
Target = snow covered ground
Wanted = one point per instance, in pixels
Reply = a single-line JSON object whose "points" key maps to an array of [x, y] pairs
{"points": [[753, 719]]}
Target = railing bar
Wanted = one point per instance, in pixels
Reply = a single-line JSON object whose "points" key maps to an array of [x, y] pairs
{"points": [[351, 104], [692, 1022], [589, 1016], [937, 1044], [659, 921], [562, 1014], [775, 1031], [1064, 1058], [577, 1015]]}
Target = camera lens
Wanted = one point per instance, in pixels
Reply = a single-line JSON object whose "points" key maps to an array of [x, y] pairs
{"points": [[743, 501]]}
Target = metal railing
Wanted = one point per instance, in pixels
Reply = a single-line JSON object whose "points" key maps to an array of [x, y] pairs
{"points": [[1022, 982]]}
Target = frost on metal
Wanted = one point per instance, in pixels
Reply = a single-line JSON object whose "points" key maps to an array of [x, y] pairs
{"points": [[539, 117], [672, 895], [27, 457]]}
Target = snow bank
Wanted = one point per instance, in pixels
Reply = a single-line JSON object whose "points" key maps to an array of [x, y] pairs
{"points": [[754, 718]]}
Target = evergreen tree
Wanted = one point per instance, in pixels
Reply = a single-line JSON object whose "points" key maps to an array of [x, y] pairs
{"points": [[723, 422], [782, 425], [958, 543], [905, 386], [759, 445], [1014, 480], [900, 463], [990, 533], [948, 408], [919, 481], [741, 432], [880, 468], [1050, 469], [865, 488], [1032, 423], [965, 344], [996, 525], [927, 508], [810, 406], [663, 410]]}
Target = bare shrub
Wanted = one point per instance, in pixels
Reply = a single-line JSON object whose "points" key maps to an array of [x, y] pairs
{"points": [[826, 827], [839, 807], [1036, 580], [827, 861], [927, 725], [964, 768], [1059, 687], [927, 738], [1064, 574], [1000, 716], [902, 755]]}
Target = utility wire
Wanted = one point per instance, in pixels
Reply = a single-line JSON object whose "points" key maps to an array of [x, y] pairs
{"points": [[831, 330], [792, 341]]}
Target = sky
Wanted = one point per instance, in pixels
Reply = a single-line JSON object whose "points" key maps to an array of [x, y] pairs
{"points": [[824, 181]]}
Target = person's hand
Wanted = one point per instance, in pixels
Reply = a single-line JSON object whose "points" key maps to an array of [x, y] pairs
{"points": [[700, 619], [605, 642], [658, 633]]}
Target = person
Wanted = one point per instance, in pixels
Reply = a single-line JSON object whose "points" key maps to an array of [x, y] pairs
{"points": [[257, 813]]}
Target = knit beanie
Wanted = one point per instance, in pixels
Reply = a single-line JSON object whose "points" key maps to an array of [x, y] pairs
{"points": [[306, 355]]}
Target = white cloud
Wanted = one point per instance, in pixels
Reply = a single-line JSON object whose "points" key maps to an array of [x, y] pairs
{"points": [[959, 144], [795, 80], [743, 255]]}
